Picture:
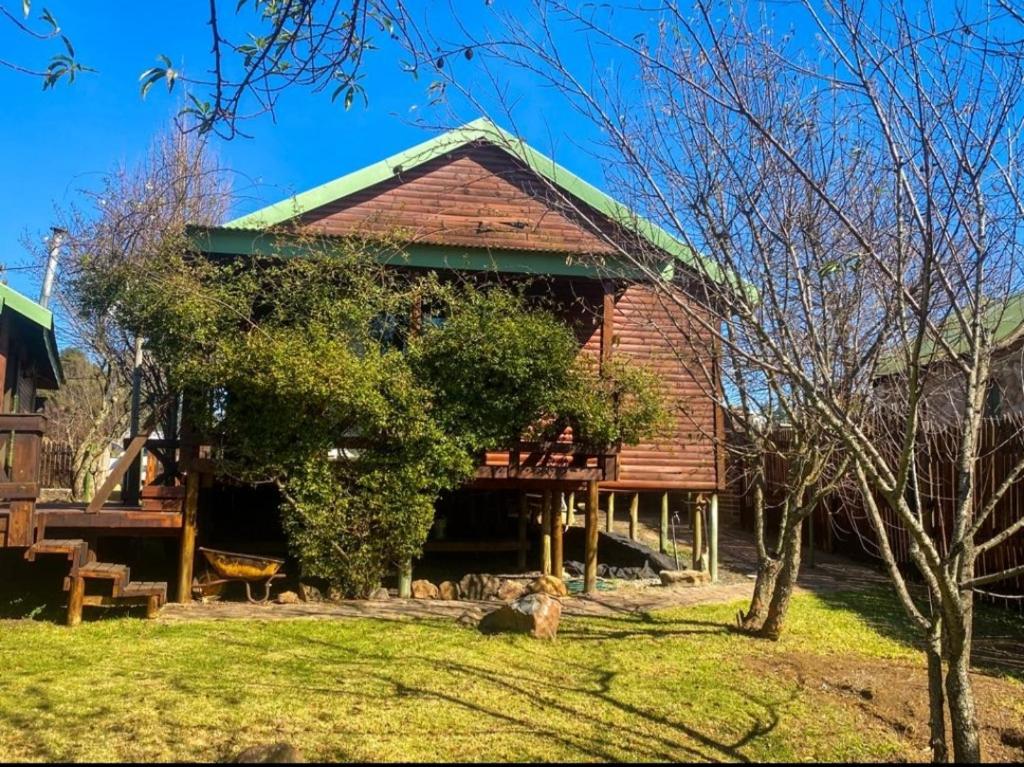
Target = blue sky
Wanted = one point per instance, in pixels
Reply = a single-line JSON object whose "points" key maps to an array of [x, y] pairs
{"points": [[61, 141]]}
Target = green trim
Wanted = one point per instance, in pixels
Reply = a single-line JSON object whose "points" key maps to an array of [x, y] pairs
{"points": [[478, 130], [45, 344], [238, 242]]}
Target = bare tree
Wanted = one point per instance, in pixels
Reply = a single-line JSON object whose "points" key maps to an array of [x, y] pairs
{"points": [[859, 169], [131, 219]]}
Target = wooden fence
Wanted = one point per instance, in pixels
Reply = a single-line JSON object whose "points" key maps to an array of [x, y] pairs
{"points": [[55, 465], [840, 523]]}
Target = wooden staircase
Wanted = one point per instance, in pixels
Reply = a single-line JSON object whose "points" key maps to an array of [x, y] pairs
{"points": [[114, 577]]}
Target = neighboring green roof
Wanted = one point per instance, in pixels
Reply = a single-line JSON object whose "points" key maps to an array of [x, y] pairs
{"points": [[1004, 319], [40, 339], [478, 130]]}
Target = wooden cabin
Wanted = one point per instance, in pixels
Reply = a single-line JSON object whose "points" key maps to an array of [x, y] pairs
{"points": [[478, 201], [29, 362]]}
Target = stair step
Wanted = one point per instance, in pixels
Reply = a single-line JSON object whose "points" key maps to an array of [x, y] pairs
{"points": [[146, 589], [120, 575], [76, 550]]}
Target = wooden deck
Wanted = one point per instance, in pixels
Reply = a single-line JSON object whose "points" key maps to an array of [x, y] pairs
{"points": [[114, 519]]}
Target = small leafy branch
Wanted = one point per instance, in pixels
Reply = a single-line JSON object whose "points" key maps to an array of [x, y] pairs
{"points": [[62, 66]]}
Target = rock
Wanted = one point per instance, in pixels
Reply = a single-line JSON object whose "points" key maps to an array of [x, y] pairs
{"points": [[479, 586], [686, 577], [334, 594], [287, 598], [448, 590], [380, 594], [277, 753], [469, 618], [510, 590], [548, 584], [423, 589], [533, 614], [310, 593]]}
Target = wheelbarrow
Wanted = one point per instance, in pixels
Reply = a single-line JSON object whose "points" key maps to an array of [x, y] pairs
{"points": [[228, 567]]}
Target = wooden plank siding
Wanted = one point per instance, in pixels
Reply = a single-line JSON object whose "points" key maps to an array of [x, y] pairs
{"points": [[478, 196], [481, 197]]}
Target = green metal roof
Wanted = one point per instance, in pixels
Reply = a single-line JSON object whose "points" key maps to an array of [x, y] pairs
{"points": [[39, 338], [478, 130], [1003, 318]]}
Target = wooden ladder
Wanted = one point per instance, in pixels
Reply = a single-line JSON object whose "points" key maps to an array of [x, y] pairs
{"points": [[84, 567]]}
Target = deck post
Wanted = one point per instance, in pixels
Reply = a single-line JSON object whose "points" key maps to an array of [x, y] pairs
{"points": [[698, 534], [663, 526], [556, 541], [713, 538], [405, 579], [572, 509], [545, 530], [634, 516], [188, 536], [523, 519], [590, 554], [610, 520], [76, 596]]}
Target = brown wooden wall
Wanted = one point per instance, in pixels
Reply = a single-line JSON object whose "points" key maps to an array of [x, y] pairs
{"points": [[16, 373], [478, 196], [481, 197]]}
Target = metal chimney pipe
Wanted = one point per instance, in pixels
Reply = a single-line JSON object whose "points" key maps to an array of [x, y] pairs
{"points": [[56, 240]]}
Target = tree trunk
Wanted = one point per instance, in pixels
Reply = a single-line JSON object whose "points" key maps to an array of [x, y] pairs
{"points": [[936, 696], [784, 582], [764, 588], [960, 694]]}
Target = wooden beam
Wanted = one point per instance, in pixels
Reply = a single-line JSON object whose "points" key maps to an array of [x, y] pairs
{"points": [[590, 554], [607, 321], [572, 509], [188, 537], [545, 532], [610, 516], [698, 534], [76, 596], [523, 520], [117, 473], [634, 516], [713, 538], [663, 526], [556, 539]]}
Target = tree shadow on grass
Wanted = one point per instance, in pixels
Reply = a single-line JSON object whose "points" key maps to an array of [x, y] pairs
{"points": [[998, 632]]}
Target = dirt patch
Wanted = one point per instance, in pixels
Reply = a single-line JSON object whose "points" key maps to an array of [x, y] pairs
{"points": [[892, 696]]}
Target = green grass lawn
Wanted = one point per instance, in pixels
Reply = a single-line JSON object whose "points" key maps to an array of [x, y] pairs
{"points": [[671, 686]]}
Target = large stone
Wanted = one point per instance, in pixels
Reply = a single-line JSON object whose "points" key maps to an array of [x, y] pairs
{"points": [[479, 586], [288, 598], [276, 753], [448, 590], [683, 577], [533, 614], [310, 593], [548, 584], [423, 589], [510, 590], [380, 594]]}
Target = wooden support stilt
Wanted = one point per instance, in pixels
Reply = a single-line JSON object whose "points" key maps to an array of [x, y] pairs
{"points": [[556, 541], [523, 519], [634, 516], [713, 538], [545, 531], [76, 596], [405, 579], [590, 554], [610, 519], [188, 536], [572, 509], [663, 527], [698, 535]]}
